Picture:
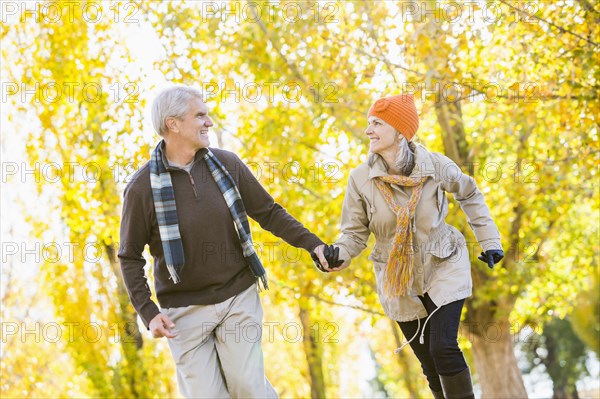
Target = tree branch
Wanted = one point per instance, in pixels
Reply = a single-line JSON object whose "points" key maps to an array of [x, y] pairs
{"points": [[276, 46], [474, 91], [327, 301], [560, 28], [375, 38], [585, 4]]}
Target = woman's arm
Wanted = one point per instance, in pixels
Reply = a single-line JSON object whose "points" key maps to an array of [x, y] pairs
{"points": [[354, 225], [465, 190]]}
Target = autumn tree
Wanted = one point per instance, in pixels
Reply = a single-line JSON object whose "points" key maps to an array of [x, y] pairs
{"points": [[80, 114], [508, 90]]}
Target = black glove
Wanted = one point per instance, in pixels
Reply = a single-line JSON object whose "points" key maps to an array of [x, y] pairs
{"points": [[331, 254], [491, 257]]}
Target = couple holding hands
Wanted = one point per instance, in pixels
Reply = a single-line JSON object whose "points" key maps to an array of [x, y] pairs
{"points": [[189, 196]]}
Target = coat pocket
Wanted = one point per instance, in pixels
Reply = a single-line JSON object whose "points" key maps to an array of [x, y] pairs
{"points": [[442, 243], [444, 249], [378, 255]]}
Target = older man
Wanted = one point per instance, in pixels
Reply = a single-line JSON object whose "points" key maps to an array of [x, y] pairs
{"points": [[189, 203]]}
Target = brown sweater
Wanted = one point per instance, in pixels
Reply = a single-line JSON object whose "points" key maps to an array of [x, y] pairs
{"points": [[215, 268]]}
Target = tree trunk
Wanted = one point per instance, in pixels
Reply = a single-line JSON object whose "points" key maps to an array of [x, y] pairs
{"points": [[128, 313], [493, 349], [130, 336], [495, 361], [449, 116], [561, 386], [314, 355]]}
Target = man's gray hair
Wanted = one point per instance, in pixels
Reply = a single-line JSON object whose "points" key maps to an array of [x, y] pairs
{"points": [[171, 102]]}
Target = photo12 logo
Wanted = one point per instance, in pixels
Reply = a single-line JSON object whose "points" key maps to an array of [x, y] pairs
{"points": [[61, 12], [55, 12], [269, 91], [469, 12], [269, 11], [71, 92]]}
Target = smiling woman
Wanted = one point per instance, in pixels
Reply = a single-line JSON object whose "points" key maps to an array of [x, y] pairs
{"points": [[393, 141], [421, 264], [383, 137]]}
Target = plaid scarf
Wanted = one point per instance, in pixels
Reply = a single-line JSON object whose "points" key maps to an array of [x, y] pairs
{"points": [[166, 214], [398, 276]]}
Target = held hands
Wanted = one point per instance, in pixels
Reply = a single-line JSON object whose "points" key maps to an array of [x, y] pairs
{"points": [[326, 258], [491, 257], [160, 326]]}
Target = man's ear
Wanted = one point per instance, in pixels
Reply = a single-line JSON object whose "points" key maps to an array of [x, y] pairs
{"points": [[171, 123]]}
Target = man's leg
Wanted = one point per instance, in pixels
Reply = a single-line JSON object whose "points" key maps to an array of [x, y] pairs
{"points": [[238, 342], [198, 368]]}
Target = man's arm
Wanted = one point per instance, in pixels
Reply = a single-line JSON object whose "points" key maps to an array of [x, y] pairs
{"points": [[135, 233], [271, 216]]}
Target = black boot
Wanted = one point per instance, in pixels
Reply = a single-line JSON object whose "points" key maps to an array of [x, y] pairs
{"points": [[438, 394], [458, 386]]}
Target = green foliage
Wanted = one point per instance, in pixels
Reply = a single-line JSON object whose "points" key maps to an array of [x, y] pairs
{"points": [[586, 315], [562, 354]]}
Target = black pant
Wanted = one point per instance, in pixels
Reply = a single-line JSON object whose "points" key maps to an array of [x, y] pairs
{"points": [[439, 354]]}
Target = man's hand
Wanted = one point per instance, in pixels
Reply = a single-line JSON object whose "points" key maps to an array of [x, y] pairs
{"points": [[491, 257], [326, 257], [161, 325], [318, 256]]}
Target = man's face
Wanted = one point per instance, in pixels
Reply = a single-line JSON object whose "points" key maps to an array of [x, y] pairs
{"points": [[193, 127]]}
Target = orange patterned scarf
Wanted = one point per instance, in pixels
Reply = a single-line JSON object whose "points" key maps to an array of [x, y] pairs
{"points": [[398, 275]]}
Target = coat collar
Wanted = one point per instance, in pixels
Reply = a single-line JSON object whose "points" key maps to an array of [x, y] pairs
{"points": [[423, 165]]}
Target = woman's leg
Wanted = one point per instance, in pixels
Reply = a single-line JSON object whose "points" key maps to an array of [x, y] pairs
{"points": [[442, 330], [409, 329], [450, 364]]}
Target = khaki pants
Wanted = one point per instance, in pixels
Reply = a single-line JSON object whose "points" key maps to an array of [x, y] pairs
{"points": [[218, 351]]}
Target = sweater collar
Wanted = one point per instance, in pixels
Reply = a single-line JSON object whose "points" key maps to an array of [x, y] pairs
{"points": [[163, 153]]}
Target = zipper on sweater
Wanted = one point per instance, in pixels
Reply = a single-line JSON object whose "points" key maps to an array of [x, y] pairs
{"points": [[193, 185]]}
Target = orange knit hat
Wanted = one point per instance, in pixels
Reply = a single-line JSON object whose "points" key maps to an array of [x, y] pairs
{"points": [[398, 111]]}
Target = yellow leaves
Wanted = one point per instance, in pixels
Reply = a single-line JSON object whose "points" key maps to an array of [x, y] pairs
{"points": [[312, 133]]}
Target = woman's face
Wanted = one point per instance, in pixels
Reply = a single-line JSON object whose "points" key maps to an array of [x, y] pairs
{"points": [[382, 136]]}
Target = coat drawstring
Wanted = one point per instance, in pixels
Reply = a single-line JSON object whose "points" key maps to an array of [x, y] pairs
{"points": [[410, 340], [372, 197], [422, 336]]}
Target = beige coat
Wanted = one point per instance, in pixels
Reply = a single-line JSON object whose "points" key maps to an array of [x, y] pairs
{"points": [[441, 258]]}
